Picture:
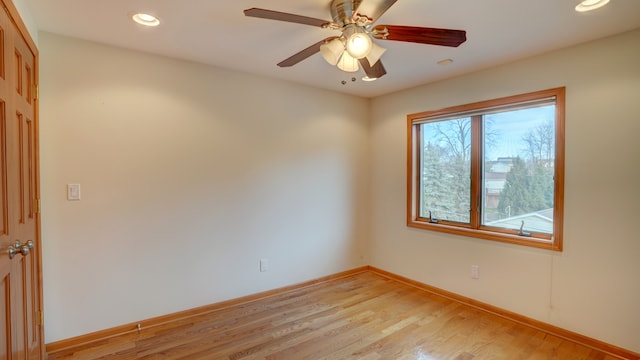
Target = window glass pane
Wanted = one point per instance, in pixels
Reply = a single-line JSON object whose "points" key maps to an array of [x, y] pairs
{"points": [[445, 168], [518, 168]]}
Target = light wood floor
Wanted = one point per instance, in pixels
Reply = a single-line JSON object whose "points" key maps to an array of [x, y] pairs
{"points": [[364, 316]]}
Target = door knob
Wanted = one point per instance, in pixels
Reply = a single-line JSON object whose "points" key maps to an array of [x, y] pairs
{"points": [[18, 247]]}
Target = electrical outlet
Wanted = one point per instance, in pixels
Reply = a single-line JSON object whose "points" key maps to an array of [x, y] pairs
{"points": [[475, 272], [264, 265]]}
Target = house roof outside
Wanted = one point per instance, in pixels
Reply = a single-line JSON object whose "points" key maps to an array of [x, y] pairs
{"points": [[539, 221]]}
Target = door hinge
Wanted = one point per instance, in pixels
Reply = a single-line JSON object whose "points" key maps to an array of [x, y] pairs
{"points": [[36, 92], [37, 205], [39, 318]]}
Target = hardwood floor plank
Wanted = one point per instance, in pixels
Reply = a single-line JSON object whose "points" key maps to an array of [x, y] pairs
{"points": [[364, 316]]}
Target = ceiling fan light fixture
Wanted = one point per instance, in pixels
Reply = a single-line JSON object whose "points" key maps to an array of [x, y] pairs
{"points": [[348, 63], [358, 42], [355, 47], [332, 50], [588, 5], [359, 45]]}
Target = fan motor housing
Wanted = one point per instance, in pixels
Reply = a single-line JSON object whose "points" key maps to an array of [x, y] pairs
{"points": [[343, 11]]}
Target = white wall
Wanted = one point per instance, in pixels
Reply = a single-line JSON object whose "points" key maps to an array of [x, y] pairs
{"points": [[190, 174], [592, 287]]}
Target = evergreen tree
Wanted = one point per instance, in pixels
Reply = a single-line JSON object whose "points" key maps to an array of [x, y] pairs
{"points": [[455, 135], [527, 189], [459, 189], [529, 185], [516, 194], [446, 170], [442, 186], [543, 183], [435, 190]]}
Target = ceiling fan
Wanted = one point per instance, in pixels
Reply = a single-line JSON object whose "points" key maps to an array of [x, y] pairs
{"points": [[355, 20]]}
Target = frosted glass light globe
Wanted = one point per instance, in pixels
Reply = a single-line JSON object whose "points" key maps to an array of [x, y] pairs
{"points": [[359, 45], [348, 63]]}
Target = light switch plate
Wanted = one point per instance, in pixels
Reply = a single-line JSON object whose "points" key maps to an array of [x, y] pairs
{"points": [[73, 191], [264, 265]]}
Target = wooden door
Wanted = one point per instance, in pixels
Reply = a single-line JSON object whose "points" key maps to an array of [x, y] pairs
{"points": [[20, 291]]}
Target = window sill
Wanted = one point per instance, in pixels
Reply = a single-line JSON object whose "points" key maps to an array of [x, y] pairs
{"points": [[531, 241]]}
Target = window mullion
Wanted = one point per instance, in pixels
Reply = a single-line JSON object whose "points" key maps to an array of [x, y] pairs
{"points": [[476, 170]]}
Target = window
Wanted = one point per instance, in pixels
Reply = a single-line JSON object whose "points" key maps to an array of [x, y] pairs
{"points": [[492, 169]]}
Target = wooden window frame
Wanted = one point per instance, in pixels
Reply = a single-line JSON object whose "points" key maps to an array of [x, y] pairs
{"points": [[474, 228]]}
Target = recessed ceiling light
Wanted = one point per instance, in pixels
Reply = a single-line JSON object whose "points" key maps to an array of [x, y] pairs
{"points": [[366, 78], [445, 62], [145, 19], [588, 5]]}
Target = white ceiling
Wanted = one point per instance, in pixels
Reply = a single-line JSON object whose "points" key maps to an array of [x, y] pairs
{"points": [[216, 32]]}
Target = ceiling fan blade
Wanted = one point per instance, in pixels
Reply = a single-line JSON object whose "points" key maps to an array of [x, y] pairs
{"points": [[373, 9], [311, 50], [282, 16], [374, 72], [422, 35]]}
